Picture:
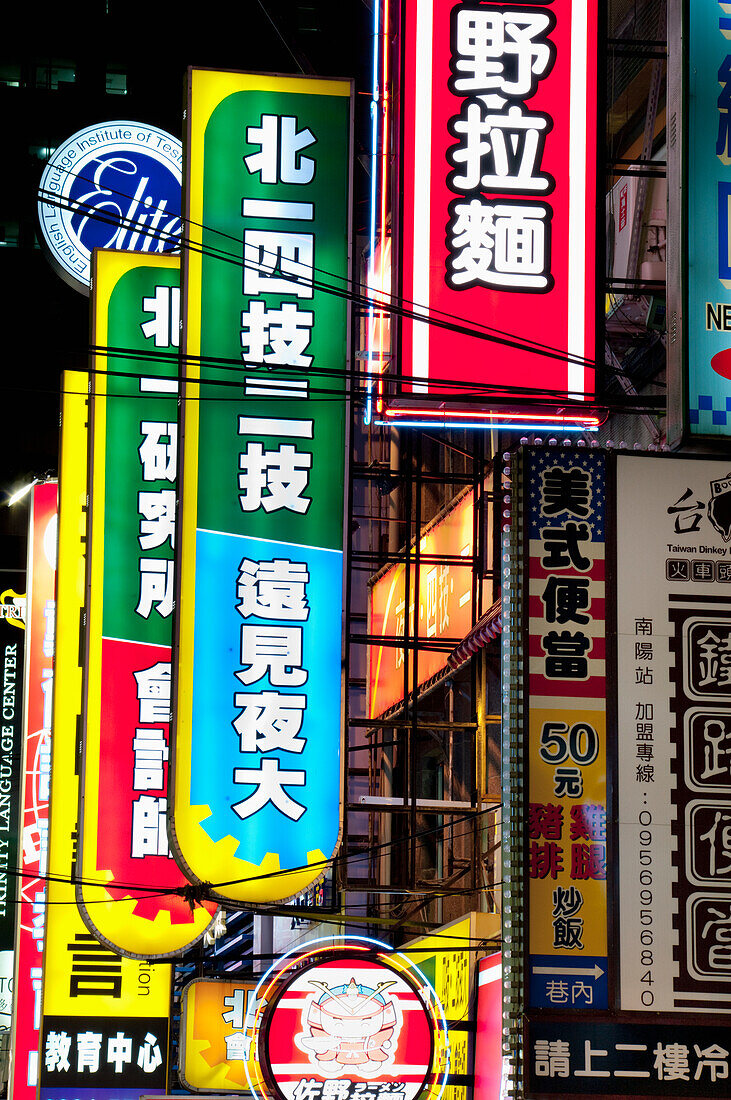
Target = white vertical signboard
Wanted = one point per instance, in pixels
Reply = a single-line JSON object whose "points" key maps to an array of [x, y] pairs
{"points": [[674, 732]]}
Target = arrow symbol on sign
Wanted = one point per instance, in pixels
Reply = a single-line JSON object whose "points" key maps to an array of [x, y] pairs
{"points": [[570, 971]]}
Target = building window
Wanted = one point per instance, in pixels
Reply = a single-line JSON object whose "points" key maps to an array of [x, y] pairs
{"points": [[9, 232], [10, 75], [54, 75], [116, 80]]}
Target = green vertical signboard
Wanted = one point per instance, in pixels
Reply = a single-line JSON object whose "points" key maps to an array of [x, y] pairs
{"points": [[258, 698], [131, 547]]}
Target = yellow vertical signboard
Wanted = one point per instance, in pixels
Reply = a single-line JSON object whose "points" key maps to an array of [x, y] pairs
{"points": [[105, 1018], [217, 1044], [566, 643], [448, 959], [126, 701]]}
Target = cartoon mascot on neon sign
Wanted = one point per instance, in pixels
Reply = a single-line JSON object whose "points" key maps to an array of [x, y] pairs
{"points": [[350, 1028]]}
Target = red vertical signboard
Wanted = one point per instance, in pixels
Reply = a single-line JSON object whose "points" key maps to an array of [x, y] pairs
{"points": [[499, 109], [33, 849]]}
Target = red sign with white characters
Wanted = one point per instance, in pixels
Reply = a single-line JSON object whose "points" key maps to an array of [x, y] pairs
{"points": [[132, 786], [499, 184], [33, 852], [489, 1032], [345, 1027]]}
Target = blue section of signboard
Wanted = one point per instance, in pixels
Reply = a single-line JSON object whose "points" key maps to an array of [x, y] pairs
{"points": [[568, 982], [267, 762], [567, 487]]}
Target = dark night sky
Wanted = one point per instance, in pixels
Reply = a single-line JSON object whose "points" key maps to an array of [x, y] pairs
{"points": [[44, 322]]}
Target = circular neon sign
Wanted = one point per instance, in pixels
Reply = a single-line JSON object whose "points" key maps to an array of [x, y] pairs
{"points": [[115, 185], [350, 1020]]}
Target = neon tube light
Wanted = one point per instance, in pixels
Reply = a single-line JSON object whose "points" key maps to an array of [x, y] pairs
{"points": [[486, 424], [372, 220]]}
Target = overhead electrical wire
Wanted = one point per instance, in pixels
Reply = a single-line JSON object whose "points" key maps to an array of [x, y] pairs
{"points": [[180, 891], [518, 395], [622, 403], [387, 303], [397, 304], [472, 390]]}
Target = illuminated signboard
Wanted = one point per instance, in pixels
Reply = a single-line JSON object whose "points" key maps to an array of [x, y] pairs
{"points": [[489, 1032], [587, 1057], [33, 853], [566, 838], [671, 773], [699, 205], [102, 1015], [674, 779], [114, 185], [13, 612], [448, 959], [136, 306], [499, 207], [217, 1035], [447, 608], [349, 1019], [660, 862], [258, 709]]}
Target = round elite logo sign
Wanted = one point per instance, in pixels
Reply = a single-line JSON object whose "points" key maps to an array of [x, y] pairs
{"points": [[115, 185]]}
